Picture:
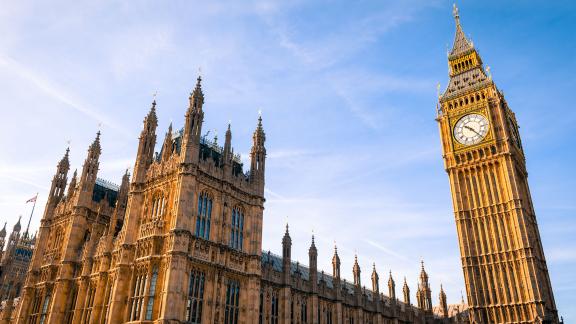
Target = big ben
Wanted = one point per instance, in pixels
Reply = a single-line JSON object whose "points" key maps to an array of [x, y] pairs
{"points": [[503, 261]]}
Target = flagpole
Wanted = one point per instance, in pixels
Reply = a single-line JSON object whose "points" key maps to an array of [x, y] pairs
{"points": [[32, 213]]}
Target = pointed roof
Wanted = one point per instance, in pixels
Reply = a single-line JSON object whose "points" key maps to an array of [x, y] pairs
{"points": [[17, 226], [65, 162], [390, 279], [286, 239], [356, 267], [197, 96], [374, 272], [335, 258], [95, 146], [3, 231], [461, 43]]}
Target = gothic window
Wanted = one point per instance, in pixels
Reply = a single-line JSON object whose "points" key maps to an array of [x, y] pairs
{"points": [[45, 308], [303, 311], [195, 298], [237, 229], [158, 206], [204, 213], [138, 296], [328, 314], [89, 304], [35, 307], [274, 308], [261, 308], [152, 293], [232, 302], [108, 297]]}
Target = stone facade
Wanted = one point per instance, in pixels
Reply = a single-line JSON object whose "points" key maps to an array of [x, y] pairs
{"points": [[504, 266]]}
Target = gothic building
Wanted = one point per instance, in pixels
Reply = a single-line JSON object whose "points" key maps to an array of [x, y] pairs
{"points": [[180, 242], [14, 260], [504, 266]]}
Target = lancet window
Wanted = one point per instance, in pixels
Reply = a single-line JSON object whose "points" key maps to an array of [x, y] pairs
{"points": [[232, 302], [204, 216], [152, 293], [237, 229], [138, 296], [195, 297]]}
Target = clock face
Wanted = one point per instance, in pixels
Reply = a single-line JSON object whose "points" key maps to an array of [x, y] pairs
{"points": [[471, 129]]}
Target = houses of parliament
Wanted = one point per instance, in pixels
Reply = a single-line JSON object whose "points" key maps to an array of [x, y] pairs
{"points": [[180, 239]]}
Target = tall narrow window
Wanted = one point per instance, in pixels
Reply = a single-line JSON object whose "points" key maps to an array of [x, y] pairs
{"points": [[89, 304], [45, 308], [274, 309], [261, 310], [138, 297], [232, 302], [304, 312], [35, 307], [151, 294], [237, 229], [203, 219], [195, 298]]}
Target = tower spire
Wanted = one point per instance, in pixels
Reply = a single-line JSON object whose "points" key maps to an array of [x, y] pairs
{"points": [[193, 125], [146, 144], [461, 43], [258, 156], [90, 170]]}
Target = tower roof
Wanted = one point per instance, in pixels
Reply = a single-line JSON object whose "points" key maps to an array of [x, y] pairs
{"points": [[461, 43]]}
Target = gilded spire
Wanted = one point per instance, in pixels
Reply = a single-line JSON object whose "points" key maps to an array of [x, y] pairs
{"points": [[461, 43]]}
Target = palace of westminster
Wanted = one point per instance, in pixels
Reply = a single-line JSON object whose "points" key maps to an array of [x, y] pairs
{"points": [[179, 241]]}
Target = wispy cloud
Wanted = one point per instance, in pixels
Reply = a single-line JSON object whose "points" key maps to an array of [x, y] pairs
{"points": [[56, 92]]}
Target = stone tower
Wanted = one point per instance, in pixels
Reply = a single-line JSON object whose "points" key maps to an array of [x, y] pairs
{"points": [[502, 257]]}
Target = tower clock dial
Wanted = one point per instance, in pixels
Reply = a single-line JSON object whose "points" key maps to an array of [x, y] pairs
{"points": [[471, 129]]}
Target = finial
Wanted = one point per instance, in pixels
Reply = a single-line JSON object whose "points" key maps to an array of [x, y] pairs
{"points": [[455, 12], [488, 72], [374, 266], [199, 73], [154, 98], [438, 89], [286, 227]]}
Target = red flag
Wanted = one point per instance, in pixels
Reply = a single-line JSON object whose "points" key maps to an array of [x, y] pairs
{"points": [[33, 199]]}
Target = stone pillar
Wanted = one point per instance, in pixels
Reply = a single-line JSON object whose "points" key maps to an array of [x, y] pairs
{"points": [[173, 287], [99, 297]]}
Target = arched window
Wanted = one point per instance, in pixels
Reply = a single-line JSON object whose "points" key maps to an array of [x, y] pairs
{"points": [[303, 311], [151, 294], [138, 296], [158, 206], [203, 218], [195, 298], [237, 229], [232, 302], [45, 308], [274, 308]]}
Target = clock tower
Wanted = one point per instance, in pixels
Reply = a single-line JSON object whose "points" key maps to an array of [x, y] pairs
{"points": [[503, 261]]}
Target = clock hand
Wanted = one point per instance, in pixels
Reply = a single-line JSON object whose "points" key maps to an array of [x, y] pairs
{"points": [[472, 129]]}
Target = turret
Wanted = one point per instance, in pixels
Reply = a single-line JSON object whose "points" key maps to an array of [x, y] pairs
{"points": [[193, 125], [443, 304], [406, 291], [90, 171], [424, 294], [356, 272], [2, 239], [391, 287], [286, 255], [313, 264], [227, 154], [59, 180], [146, 144], [72, 185], [258, 157], [17, 227], [375, 280], [336, 265], [167, 146]]}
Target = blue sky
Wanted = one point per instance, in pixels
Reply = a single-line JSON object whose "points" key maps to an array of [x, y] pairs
{"points": [[347, 92]]}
